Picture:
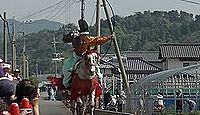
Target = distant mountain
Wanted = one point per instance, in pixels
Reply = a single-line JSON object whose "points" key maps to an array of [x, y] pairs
{"points": [[32, 26]]}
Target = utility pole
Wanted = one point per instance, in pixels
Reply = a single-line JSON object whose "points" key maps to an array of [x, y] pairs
{"points": [[24, 55], [82, 8], [98, 10], [56, 55], [4, 37], [27, 68], [36, 68], [13, 46], [121, 65]]}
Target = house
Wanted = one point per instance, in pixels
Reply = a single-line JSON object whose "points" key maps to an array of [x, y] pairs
{"points": [[137, 64], [179, 55], [140, 64]]}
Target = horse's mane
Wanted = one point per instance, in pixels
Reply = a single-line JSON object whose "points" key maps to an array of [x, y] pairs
{"points": [[91, 51]]}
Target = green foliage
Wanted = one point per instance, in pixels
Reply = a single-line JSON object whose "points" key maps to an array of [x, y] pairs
{"points": [[34, 80], [140, 31], [147, 30]]}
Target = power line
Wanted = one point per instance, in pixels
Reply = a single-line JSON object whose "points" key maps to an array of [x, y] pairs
{"points": [[190, 1], [52, 11], [58, 15], [42, 10]]}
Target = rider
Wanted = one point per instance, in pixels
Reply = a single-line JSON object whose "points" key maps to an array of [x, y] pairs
{"points": [[84, 42]]}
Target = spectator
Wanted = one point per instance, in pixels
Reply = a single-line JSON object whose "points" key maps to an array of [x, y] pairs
{"points": [[148, 103], [192, 105], [7, 89], [8, 71], [121, 100], [2, 72], [112, 104], [17, 75], [106, 98], [179, 101], [159, 103], [25, 89]]}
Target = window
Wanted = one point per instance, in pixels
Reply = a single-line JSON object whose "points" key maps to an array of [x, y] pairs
{"points": [[186, 64]]}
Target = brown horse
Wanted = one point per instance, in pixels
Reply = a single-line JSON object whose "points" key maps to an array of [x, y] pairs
{"points": [[85, 87]]}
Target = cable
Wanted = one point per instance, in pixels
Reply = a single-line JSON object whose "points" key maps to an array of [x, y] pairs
{"points": [[58, 12], [56, 15], [42, 10], [52, 11], [192, 2]]}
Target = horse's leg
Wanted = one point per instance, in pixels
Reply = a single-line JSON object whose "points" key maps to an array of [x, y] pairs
{"points": [[85, 104], [73, 107], [91, 103], [99, 102], [79, 107]]}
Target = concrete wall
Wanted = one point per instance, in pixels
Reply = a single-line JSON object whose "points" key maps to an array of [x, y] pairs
{"points": [[106, 112], [176, 63]]}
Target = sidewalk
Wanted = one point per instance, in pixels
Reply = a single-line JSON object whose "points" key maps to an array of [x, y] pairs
{"points": [[48, 107]]}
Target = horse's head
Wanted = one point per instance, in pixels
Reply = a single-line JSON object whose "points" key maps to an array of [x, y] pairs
{"points": [[91, 61], [87, 68]]}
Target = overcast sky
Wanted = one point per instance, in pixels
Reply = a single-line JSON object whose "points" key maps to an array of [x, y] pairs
{"points": [[68, 11]]}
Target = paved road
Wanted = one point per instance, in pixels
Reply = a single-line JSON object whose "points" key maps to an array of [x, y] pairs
{"points": [[48, 107]]}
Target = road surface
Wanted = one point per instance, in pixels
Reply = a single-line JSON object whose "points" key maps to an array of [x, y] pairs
{"points": [[48, 107]]}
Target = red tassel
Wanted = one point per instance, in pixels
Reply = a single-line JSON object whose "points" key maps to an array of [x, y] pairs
{"points": [[14, 109]]}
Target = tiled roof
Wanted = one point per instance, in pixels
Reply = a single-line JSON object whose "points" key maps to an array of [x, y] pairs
{"points": [[138, 64], [145, 55], [179, 51], [133, 64]]}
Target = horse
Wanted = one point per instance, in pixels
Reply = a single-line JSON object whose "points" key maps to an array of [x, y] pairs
{"points": [[85, 86]]}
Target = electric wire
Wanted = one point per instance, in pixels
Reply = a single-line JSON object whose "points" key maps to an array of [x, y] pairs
{"points": [[52, 11], [37, 12], [190, 1], [58, 15]]}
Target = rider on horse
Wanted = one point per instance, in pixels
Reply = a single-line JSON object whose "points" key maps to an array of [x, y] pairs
{"points": [[85, 42]]}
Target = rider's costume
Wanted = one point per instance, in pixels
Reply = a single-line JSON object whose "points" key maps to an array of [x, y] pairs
{"points": [[83, 42]]}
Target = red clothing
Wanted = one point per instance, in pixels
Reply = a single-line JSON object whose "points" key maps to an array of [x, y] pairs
{"points": [[56, 82], [84, 87]]}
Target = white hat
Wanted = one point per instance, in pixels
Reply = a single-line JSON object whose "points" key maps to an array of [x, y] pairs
{"points": [[84, 33], [1, 60], [16, 70], [7, 66]]}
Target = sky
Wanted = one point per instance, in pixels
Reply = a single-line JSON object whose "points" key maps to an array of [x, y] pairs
{"points": [[68, 11]]}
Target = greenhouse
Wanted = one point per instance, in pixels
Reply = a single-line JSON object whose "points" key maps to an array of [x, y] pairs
{"points": [[168, 84]]}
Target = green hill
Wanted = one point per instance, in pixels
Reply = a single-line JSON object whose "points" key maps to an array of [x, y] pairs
{"points": [[140, 31]]}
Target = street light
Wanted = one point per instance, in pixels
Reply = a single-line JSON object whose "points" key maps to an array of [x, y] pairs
{"points": [[57, 57]]}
